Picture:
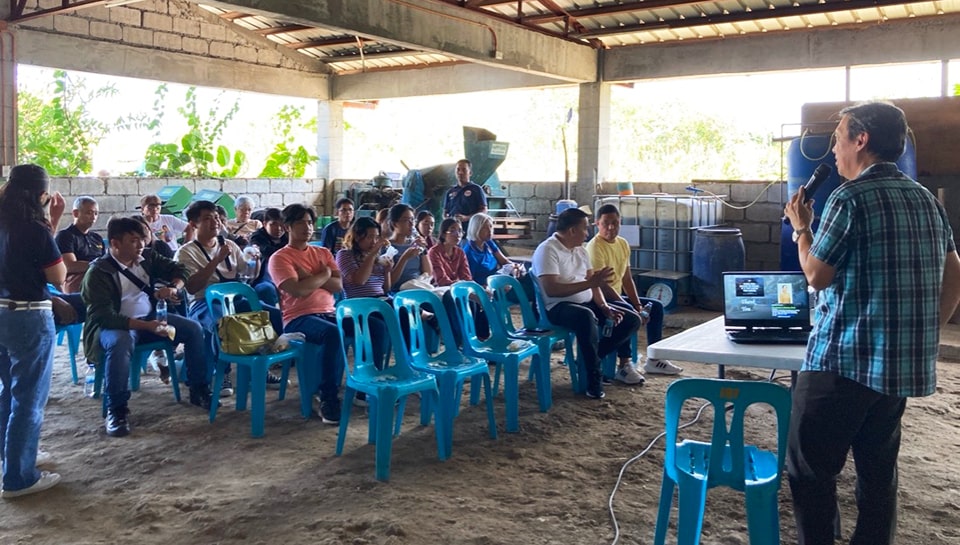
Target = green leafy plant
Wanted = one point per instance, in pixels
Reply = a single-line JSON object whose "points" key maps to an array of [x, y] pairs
{"points": [[59, 133], [287, 161], [197, 152]]}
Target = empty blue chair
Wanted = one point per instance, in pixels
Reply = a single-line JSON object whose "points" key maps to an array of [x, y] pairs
{"points": [[578, 372], [72, 332], [386, 388], [502, 286], [507, 353], [450, 366], [251, 369], [695, 466]]}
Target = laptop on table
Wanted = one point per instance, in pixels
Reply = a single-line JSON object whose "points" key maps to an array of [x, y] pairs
{"points": [[766, 307]]}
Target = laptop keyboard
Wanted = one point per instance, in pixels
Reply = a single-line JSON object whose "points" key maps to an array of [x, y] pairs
{"points": [[769, 336]]}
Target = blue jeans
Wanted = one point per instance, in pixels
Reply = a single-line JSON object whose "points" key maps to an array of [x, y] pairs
{"points": [[267, 293], [200, 311], [321, 330], [654, 325], [118, 345], [26, 364], [584, 321]]}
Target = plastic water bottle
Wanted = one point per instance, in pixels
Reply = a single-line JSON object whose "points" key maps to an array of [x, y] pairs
{"points": [[162, 311], [90, 380], [251, 256], [645, 311], [608, 328]]}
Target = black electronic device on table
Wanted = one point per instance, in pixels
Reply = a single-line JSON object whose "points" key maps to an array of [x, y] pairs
{"points": [[766, 307]]}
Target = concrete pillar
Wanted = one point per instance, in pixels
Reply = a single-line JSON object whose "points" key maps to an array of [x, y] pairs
{"points": [[593, 140], [329, 139], [8, 95]]}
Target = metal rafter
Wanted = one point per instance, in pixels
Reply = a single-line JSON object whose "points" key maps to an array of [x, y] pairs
{"points": [[786, 11]]}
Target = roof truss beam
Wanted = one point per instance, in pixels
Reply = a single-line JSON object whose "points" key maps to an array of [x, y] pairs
{"points": [[450, 30]]}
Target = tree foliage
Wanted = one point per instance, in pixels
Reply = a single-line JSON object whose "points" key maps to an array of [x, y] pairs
{"points": [[59, 133], [287, 161], [670, 143], [197, 153]]}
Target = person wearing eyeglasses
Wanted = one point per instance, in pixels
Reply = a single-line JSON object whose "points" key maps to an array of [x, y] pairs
{"points": [[450, 266], [333, 234], [885, 262], [164, 227]]}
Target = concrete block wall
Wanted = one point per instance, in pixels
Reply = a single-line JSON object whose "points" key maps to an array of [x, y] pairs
{"points": [[760, 222], [121, 196], [169, 25]]}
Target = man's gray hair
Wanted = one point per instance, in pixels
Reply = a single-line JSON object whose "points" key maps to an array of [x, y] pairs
{"points": [[244, 199], [82, 200]]}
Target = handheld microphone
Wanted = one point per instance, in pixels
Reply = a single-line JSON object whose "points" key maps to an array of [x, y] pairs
{"points": [[816, 180], [819, 176]]}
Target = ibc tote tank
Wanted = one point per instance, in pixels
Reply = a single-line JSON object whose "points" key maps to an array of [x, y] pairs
{"points": [[804, 155]]}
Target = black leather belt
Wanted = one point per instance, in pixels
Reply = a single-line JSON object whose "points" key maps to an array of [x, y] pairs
{"points": [[10, 304]]}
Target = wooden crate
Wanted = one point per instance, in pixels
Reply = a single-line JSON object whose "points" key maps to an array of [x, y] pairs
{"points": [[513, 228]]}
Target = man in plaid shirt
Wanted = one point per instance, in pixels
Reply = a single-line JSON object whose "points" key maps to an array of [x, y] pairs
{"points": [[885, 260]]}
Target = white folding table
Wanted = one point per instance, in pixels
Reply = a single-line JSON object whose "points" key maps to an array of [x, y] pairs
{"points": [[708, 343]]}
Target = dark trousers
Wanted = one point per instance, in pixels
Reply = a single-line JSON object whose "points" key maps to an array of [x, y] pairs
{"points": [[321, 330], [654, 324], [831, 415], [585, 321]]}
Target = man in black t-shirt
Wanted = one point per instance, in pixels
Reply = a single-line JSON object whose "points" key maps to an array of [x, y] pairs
{"points": [[78, 244]]}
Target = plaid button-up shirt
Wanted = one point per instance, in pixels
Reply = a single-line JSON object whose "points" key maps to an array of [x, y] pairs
{"points": [[878, 322]]}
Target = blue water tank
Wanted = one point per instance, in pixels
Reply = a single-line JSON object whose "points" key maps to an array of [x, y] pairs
{"points": [[804, 155]]}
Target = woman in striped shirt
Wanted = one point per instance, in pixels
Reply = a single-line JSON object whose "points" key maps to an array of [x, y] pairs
{"points": [[364, 272]]}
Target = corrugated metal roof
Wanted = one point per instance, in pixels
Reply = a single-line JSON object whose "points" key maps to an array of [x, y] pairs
{"points": [[603, 24]]}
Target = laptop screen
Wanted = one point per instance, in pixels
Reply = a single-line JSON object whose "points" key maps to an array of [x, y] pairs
{"points": [[766, 299]]}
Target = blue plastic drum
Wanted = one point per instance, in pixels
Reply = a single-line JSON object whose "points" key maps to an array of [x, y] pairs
{"points": [[804, 155], [715, 251]]}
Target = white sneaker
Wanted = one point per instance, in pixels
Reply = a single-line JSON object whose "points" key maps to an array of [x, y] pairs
{"points": [[46, 481], [44, 458], [627, 374], [156, 360], [661, 367]]}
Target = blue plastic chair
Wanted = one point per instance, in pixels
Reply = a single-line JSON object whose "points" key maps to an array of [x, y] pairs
{"points": [[694, 466], [502, 286], [497, 349], [138, 362], [573, 361], [384, 387], [73, 333], [251, 369], [450, 366]]}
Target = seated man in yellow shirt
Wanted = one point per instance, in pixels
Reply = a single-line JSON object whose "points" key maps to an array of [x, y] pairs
{"points": [[609, 249]]}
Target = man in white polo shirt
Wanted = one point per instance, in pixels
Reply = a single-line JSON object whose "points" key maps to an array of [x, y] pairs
{"points": [[574, 299]]}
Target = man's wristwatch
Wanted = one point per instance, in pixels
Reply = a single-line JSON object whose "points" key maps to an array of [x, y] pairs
{"points": [[798, 232]]}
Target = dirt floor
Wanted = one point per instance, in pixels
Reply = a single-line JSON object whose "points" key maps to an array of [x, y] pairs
{"points": [[177, 479]]}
